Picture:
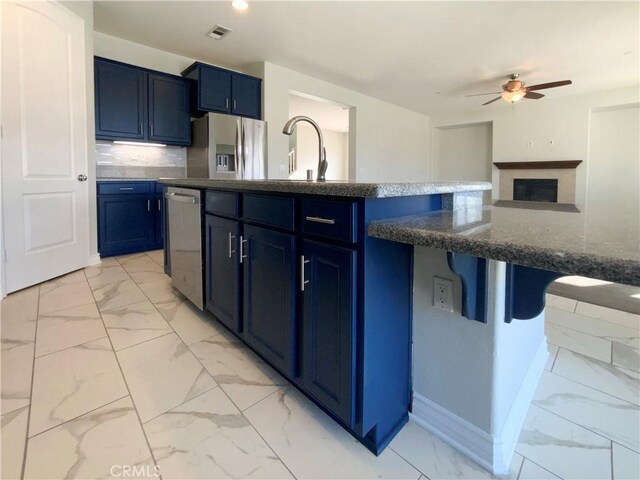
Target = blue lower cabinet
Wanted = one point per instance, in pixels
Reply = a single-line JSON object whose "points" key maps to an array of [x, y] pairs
{"points": [[269, 295], [125, 224], [222, 285], [328, 327], [130, 217]]}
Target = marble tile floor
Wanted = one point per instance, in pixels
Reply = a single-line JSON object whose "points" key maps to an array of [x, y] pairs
{"points": [[109, 372]]}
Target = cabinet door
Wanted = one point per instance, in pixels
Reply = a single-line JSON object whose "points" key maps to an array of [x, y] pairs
{"points": [[169, 109], [328, 327], [269, 294], [120, 99], [246, 96], [214, 90], [222, 286], [125, 224]]}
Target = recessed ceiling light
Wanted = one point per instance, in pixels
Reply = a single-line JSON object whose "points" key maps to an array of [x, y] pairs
{"points": [[240, 4]]}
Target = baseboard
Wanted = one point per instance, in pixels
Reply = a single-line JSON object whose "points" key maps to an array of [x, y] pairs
{"points": [[492, 452], [94, 259]]}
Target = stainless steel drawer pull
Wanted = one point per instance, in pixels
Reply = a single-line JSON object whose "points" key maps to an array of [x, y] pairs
{"points": [[303, 282], [159, 205], [242, 255], [328, 221], [226, 103], [126, 188], [231, 251], [148, 205], [234, 106]]}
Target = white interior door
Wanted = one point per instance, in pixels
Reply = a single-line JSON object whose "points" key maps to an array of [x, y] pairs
{"points": [[44, 144]]}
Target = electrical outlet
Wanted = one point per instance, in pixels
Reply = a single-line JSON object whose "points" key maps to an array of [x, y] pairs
{"points": [[443, 294]]}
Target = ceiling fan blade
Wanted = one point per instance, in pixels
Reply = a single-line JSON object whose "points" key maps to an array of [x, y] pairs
{"points": [[478, 94], [533, 95], [542, 86], [491, 101]]}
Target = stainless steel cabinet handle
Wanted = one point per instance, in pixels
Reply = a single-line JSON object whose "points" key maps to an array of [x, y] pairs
{"points": [[226, 103], [231, 251], [126, 188], [234, 105], [148, 205], [179, 197], [82, 177], [159, 205], [151, 126], [242, 255], [328, 221], [303, 282], [141, 130]]}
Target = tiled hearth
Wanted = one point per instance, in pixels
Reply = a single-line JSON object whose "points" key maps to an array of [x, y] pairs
{"points": [[110, 367], [563, 171]]}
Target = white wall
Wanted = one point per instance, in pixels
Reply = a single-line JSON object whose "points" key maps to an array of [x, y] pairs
{"points": [[336, 145], [487, 372], [463, 152], [614, 170], [565, 120], [386, 142]]}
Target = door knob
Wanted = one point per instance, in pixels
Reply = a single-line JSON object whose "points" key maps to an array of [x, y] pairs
{"points": [[82, 178]]}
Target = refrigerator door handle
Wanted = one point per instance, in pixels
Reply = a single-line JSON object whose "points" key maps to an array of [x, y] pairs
{"points": [[238, 151]]}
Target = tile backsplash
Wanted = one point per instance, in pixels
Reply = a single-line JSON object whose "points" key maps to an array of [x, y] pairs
{"points": [[115, 160]]}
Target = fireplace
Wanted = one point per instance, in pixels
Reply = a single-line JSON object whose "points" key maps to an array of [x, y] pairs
{"points": [[551, 181], [536, 189]]}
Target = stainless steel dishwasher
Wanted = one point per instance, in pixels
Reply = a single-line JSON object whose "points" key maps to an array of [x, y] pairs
{"points": [[185, 242]]}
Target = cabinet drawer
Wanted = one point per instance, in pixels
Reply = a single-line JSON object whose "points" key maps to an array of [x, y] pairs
{"points": [[275, 211], [330, 219], [224, 203], [112, 188]]}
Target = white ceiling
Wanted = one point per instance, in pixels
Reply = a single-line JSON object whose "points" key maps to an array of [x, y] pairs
{"points": [[328, 116], [422, 55]]}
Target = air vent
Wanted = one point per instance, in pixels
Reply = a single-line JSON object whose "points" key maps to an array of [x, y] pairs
{"points": [[219, 32]]}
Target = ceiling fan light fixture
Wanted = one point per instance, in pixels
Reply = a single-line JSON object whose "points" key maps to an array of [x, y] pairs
{"points": [[513, 97]]}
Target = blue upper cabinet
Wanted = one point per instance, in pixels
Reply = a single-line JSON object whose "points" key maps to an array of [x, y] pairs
{"points": [[218, 90], [168, 109], [246, 93], [214, 92], [121, 101], [134, 103]]}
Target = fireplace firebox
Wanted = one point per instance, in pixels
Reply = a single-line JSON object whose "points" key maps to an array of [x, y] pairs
{"points": [[535, 189]]}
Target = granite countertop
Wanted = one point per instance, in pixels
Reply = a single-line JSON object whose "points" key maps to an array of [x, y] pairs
{"points": [[590, 242], [334, 188]]}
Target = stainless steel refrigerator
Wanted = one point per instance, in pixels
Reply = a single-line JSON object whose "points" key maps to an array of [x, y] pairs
{"points": [[227, 147]]}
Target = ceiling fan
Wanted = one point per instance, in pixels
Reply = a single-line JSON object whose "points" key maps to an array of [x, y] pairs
{"points": [[515, 90]]}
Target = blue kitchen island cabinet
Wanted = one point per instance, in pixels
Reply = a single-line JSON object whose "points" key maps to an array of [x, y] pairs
{"points": [[328, 284], [268, 259], [222, 272], [130, 217], [326, 305]]}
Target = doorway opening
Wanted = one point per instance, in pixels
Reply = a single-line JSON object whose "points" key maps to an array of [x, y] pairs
{"points": [[333, 120]]}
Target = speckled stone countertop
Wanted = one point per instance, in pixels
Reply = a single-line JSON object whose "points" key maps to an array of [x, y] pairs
{"points": [[605, 247], [334, 188]]}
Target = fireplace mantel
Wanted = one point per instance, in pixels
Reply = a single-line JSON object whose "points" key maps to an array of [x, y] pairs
{"points": [[543, 165]]}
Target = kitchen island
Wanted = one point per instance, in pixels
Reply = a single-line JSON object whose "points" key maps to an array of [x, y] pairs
{"points": [[288, 267]]}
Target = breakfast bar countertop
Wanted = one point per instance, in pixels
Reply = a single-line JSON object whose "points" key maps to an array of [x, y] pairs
{"points": [[564, 239], [334, 188]]}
